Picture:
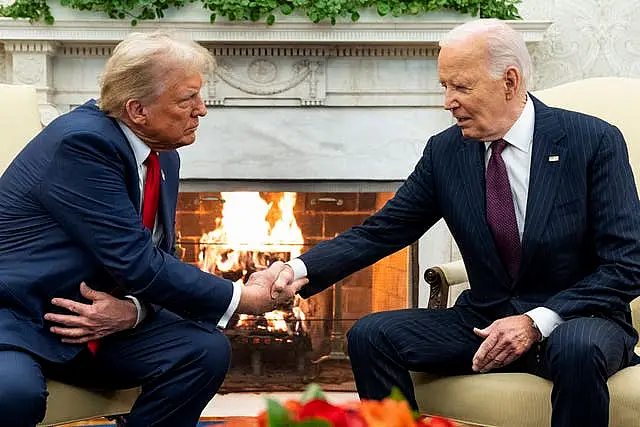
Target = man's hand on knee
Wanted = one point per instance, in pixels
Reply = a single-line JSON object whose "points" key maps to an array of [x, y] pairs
{"points": [[505, 340], [105, 315]]}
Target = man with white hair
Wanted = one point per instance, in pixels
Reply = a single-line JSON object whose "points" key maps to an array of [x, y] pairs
{"points": [[543, 206]]}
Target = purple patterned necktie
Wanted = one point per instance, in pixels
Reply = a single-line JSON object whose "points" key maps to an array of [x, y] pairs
{"points": [[501, 215]]}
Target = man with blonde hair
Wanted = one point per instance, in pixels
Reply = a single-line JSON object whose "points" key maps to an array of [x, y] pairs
{"points": [[543, 206], [92, 199]]}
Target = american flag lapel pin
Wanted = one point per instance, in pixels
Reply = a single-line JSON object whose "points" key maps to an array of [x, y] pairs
{"points": [[554, 158], [162, 173]]}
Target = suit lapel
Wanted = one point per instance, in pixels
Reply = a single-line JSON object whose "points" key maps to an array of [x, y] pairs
{"points": [[132, 183], [548, 159], [471, 169], [164, 206]]}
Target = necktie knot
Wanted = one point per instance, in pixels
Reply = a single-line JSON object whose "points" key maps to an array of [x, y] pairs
{"points": [[497, 146], [151, 160]]}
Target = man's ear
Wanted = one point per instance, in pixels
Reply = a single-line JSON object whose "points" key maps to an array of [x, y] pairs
{"points": [[135, 112], [512, 83]]}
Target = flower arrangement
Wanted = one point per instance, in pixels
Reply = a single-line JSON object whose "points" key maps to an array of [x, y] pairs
{"points": [[313, 410]]}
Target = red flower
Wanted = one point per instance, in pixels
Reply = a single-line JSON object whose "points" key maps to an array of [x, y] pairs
{"points": [[322, 409], [440, 422]]}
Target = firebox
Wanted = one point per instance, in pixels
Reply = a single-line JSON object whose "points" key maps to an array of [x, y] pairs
{"points": [[235, 233]]}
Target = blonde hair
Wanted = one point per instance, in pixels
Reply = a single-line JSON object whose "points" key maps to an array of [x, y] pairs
{"points": [[505, 47], [139, 64]]}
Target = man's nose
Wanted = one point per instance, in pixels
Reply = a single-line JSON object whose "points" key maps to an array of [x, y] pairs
{"points": [[449, 100], [201, 108]]}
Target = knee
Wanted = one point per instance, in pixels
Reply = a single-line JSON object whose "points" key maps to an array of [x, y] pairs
{"points": [[212, 354], [577, 353], [364, 333], [21, 404]]}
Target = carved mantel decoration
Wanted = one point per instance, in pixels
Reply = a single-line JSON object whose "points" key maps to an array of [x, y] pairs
{"points": [[288, 64]]}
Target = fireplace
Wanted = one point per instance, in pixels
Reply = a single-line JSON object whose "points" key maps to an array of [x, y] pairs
{"points": [[235, 233]]}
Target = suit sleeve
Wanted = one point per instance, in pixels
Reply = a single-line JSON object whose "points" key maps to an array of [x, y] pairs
{"points": [[614, 228], [412, 211], [84, 190]]}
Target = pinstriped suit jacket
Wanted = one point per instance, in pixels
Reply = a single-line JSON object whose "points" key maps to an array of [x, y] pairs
{"points": [[581, 242]]}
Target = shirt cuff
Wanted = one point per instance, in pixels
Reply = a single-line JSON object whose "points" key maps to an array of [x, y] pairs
{"points": [[298, 267], [233, 305], [545, 319], [141, 309]]}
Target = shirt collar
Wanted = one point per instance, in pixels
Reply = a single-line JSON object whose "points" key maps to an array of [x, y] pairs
{"points": [[521, 133], [140, 149]]}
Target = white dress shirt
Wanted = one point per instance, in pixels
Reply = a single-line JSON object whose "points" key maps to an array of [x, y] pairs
{"points": [[141, 151], [517, 158]]}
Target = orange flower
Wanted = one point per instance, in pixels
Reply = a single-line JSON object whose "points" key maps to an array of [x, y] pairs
{"points": [[386, 413]]}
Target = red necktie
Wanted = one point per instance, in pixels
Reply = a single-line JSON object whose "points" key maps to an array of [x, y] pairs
{"points": [[501, 214], [150, 198], [151, 191]]}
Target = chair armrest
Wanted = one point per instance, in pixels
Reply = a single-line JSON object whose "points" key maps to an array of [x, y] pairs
{"points": [[440, 278]]}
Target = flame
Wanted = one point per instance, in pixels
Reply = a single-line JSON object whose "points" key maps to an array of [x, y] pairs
{"points": [[244, 241]]}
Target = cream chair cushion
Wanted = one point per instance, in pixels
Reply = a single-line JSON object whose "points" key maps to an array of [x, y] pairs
{"points": [[20, 122], [524, 400], [68, 403]]}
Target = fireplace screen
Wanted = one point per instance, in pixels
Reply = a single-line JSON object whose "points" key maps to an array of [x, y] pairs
{"points": [[233, 234]]}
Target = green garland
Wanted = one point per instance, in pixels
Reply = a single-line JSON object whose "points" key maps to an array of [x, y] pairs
{"points": [[256, 10]]}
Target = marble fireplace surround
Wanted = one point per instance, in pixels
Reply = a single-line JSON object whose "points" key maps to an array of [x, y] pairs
{"points": [[349, 105]]}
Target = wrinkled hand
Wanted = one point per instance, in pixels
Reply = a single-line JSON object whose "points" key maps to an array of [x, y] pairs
{"points": [[104, 316], [505, 340], [285, 282], [261, 293]]}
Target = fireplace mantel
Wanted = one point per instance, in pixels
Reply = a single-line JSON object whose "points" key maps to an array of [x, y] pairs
{"points": [[362, 86], [290, 63]]}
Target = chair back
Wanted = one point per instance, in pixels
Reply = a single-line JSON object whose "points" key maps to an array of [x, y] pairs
{"points": [[607, 98], [19, 120]]}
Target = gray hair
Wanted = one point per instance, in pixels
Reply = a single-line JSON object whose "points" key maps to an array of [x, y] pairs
{"points": [[505, 47], [139, 64]]}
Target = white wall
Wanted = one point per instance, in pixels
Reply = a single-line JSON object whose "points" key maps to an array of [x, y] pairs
{"points": [[588, 38]]}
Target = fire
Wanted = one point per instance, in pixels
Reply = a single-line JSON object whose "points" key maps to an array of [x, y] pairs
{"points": [[244, 241]]}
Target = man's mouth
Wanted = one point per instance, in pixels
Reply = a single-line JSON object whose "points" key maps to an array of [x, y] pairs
{"points": [[462, 120]]}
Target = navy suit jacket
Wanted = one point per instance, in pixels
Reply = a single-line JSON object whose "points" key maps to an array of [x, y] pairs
{"points": [[69, 212], [581, 243]]}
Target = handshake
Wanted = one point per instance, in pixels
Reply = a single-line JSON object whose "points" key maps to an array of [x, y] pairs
{"points": [[269, 288]]}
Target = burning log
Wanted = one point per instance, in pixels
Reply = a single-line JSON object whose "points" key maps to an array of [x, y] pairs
{"points": [[243, 243]]}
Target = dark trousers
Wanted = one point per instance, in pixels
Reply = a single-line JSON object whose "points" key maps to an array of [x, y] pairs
{"points": [[179, 364], [579, 357]]}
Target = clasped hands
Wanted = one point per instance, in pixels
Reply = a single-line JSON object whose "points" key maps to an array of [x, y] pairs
{"points": [[267, 289]]}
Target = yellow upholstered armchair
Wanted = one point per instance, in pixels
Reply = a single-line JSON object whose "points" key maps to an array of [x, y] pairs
{"points": [[20, 121], [524, 400]]}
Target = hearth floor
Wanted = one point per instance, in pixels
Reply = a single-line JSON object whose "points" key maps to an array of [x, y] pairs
{"points": [[251, 404]]}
